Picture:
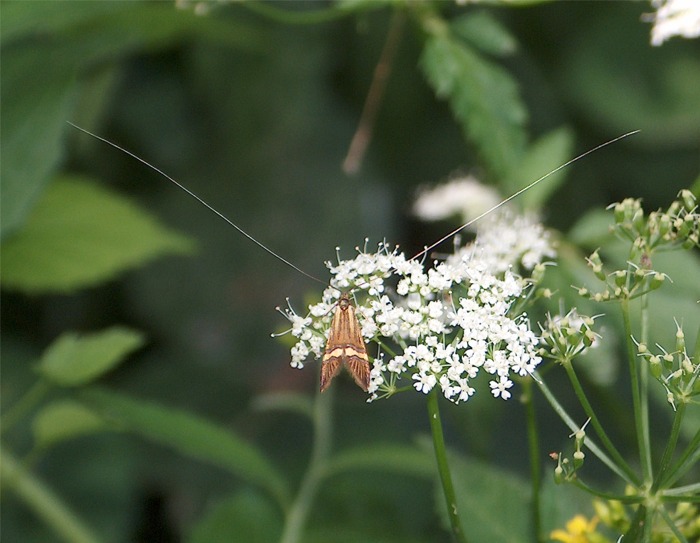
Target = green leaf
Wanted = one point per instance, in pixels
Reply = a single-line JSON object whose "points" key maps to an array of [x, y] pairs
{"points": [[543, 156], [493, 503], [592, 229], [36, 95], [191, 436], [483, 97], [62, 420], [73, 360], [384, 457], [482, 30], [49, 49], [285, 401], [81, 234], [561, 502], [243, 517]]}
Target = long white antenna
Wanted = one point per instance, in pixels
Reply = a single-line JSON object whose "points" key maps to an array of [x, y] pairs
{"points": [[518, 193], [200, 200], [287, 262]]}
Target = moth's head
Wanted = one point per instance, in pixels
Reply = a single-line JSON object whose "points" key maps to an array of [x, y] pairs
{"points": [[344, 301]]}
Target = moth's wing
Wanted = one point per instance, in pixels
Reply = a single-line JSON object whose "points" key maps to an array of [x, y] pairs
{"points": [[339, 329], [345, 346], [333, 355], [329, 369], [359, 369], [356, 360]]}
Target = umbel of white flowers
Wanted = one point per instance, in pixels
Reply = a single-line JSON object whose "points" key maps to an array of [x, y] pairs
{"points": [[438, 325]]}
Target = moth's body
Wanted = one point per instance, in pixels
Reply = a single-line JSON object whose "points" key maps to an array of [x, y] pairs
{"points": [[345, 347]]}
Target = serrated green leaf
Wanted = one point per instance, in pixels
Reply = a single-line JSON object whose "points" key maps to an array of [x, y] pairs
{"points": [[81, 234], [483, 97], [243, 517], [543, 156], [62, 420], [385, 457], [74, 360], [483, 30], [191, 436]]}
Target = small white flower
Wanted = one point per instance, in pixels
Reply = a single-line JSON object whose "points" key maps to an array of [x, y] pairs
{"points": [[675, 18], [500, 388], [466, 197], [439, 326], [424, 382]]}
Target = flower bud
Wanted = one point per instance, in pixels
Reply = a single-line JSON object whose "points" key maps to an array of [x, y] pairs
{"points": [[664, 224], [688, 199], [638, 219], [620, 277], [559, 475], [596, 265], [680, 340], [655, 367], [657, 280], [619, 212]]}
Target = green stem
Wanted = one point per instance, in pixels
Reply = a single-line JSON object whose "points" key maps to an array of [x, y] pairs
{"points": [[24, 405], [533, 443], [607, 442], [647, 465], [610, 496], [687, 493], [301, 506], [443, 466], [670, 447], [637, 406], [43, 501], [303, 17], [687, 460], [672, 525], [559, 410]]}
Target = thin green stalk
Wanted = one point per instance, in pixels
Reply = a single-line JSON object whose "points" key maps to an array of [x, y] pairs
{"points": [[301, 506], [534, 446], [24, 405], [688, 458], [42, 501], [303, 17], [588, 408], [645, 452], [636, 391], [687, 493], [633, 499], [559, 410], [670, 447], [672, 525], [444, 467]]}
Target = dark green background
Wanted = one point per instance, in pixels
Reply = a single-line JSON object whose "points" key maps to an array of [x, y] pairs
{"points": [[256, 115]]}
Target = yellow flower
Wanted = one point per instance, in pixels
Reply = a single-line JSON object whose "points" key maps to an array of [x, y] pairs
{"points": [[578, 530]]}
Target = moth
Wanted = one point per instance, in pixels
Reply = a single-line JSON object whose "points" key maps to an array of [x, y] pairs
{"points": [[345, 347]]}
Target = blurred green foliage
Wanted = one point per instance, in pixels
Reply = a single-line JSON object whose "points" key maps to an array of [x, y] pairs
{"points": [[253, 106]]}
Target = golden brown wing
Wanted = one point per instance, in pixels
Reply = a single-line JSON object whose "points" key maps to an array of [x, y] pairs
{"points": [[345, 346]]}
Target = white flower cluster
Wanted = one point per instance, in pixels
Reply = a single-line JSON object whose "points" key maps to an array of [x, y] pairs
{"points": [[466, 197], [506, 240], [675, 18], [439, 326]]}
